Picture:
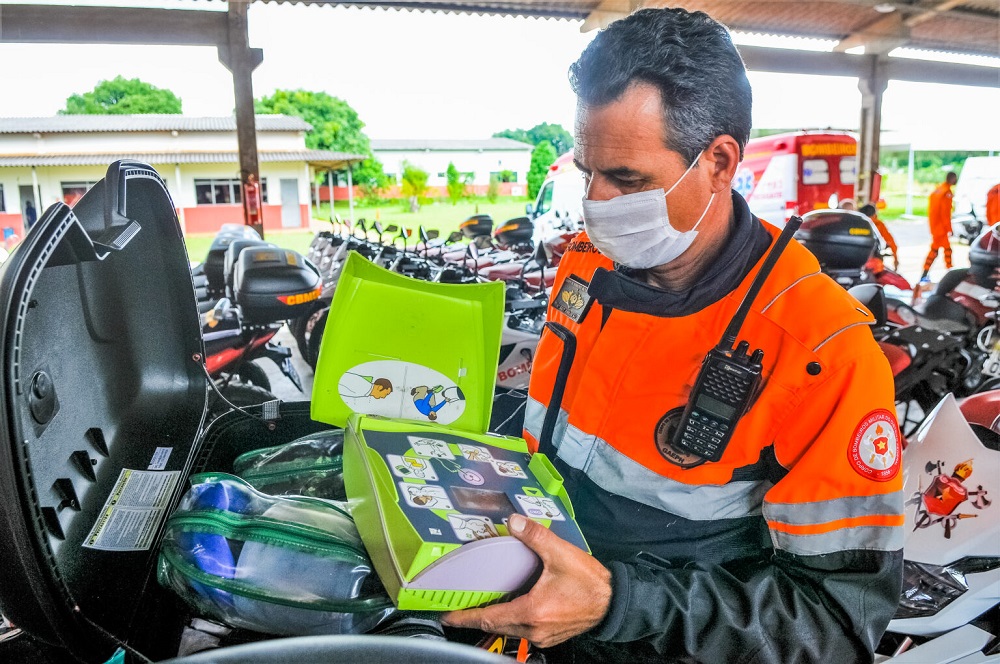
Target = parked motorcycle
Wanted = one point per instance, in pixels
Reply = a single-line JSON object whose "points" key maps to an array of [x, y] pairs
{"points": [[258, 286], [949, 609]]}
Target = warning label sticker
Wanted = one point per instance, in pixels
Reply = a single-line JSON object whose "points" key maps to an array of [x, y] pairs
{"points": [[134, 510]]}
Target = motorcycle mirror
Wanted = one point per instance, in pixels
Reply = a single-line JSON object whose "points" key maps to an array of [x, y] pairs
{"points": [[433, 235], [473, 250], [391, 228], [873, 297], [529, 209], [541, 257], [361, 224], [455, 236], [422, 234], [378, 228]]}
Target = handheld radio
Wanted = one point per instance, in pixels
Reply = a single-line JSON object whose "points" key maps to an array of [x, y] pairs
{"points": [[729, 378]]}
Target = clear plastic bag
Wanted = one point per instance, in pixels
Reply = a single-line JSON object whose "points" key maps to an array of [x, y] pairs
{"points": [[278, 565], [308, 466]]}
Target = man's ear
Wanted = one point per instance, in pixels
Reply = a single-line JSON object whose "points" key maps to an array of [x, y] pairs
{"points": [[722, 157]]}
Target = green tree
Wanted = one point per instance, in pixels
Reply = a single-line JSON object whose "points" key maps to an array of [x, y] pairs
{"points": [[555, 134], [371, 179], [541, 158], [123, 96], [414, 184], [457, 183], [493, 191], [335, 125]]}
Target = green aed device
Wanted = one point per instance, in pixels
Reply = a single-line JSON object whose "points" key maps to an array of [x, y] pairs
{"points": [[407, 367]]}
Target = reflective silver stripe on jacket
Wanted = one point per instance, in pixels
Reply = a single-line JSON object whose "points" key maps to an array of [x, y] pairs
{"points": [[615, 472], [824, 511], [875, 538], [534, 418]]}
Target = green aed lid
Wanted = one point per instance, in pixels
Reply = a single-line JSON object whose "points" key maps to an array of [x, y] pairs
{"points": [[407, 349]]}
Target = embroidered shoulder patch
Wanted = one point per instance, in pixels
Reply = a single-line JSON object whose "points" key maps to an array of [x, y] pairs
{"points": [[572, 298], [874, 451]]}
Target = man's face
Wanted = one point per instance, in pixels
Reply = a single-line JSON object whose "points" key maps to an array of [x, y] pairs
{"points": [[620, 148], [379, 392], [951, 179]]}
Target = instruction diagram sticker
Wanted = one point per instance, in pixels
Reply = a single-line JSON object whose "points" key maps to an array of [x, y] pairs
{"points": [[429, 447], [476, 453], [508, 469], [538, 507], [404, 467], [469, 528], [398, 389], [133, 512], [425, 496]]}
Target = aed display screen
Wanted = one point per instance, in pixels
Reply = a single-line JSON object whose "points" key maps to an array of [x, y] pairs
{"points": [[481, 500], [715, 407]]}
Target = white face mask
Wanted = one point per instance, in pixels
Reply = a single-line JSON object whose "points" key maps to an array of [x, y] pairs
{"points": [[634, 229]]}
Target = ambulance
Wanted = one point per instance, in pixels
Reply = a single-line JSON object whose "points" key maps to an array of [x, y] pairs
{"points": [[794, 173], [559, 205]]}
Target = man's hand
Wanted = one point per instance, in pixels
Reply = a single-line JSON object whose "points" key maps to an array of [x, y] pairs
{"points": [[570, 597]]}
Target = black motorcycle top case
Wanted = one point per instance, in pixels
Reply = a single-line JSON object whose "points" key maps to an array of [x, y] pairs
{"points": [[840, 239], [103, 374], [274, 284]]}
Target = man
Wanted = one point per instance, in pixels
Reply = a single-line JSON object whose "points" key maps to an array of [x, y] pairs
{"points": [[993, 205], [939, 205], [871, 212], [847, 204], [789, 547]]}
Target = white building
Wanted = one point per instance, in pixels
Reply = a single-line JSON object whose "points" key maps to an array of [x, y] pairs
{"points": [[46, 160], [481, 158]]}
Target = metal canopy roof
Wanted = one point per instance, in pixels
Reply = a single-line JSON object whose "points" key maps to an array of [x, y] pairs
{"points": [[61, 124], [961, 26], [322, 159]]}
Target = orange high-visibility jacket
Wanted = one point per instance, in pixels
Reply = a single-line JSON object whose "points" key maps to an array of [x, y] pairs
{"points": [[939, 210], [796, 532], [993, 205]]}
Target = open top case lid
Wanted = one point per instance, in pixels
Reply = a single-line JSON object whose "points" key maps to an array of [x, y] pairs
{"points": [[408, 349], [102, 373]]}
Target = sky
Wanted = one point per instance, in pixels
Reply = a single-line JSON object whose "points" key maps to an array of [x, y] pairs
{"points": [[425, 75]]}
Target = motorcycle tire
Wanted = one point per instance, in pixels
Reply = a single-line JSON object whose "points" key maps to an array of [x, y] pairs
{"points": [[301, 327], [316, 338], [251, 373]]}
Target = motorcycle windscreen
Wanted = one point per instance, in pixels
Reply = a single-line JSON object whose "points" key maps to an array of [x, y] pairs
{"points": [[408, 349], [103, 397], [951, 482]]}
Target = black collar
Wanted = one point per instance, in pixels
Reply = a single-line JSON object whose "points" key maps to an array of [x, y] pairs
{"points": [[625, 289]]}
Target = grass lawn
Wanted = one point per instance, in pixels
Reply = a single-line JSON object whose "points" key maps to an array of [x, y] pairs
{"points": [[443, 216], [197, 245]]}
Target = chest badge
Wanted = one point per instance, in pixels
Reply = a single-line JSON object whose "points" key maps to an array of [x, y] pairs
{"points": [[573, 299]]}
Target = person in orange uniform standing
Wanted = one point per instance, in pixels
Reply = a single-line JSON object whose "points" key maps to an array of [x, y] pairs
{"points": [[993, 205], [788, 548], [869, 211], [939, 205]]}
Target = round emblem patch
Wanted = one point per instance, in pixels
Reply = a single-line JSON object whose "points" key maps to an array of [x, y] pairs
{"points": [[874, 451], [663, 435]]}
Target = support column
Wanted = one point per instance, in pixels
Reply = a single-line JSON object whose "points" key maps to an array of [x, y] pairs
{"points": [[350, 194], [241, 60], [329, 183], [909, 184], [872, 86], [39, 208]]}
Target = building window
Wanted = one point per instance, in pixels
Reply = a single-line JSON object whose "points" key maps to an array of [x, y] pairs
{"points": [[3, 204], [74, 191], [815, 171], [504, 176], [224, 191]]}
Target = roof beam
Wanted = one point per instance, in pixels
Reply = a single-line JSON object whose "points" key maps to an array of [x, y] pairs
{"points": [[48, 24], [882, 35], [787, 61]]}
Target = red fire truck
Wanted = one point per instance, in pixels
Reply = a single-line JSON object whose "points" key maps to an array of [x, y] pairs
{"points": [[794, 173]]}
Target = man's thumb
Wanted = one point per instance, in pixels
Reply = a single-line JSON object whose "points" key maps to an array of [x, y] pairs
{"points": [[536, 537]]}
